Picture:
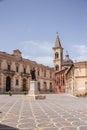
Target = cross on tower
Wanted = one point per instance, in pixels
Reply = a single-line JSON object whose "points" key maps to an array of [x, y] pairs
{"points": [[57, 33]]}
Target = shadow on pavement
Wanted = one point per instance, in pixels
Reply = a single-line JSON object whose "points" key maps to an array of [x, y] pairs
{"points": [[5, 127]]}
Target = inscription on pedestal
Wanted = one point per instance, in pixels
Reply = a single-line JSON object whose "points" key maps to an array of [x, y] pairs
{"points": [[33, 88], [34, 92]]}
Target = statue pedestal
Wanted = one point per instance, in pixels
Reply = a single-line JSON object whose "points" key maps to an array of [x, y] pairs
{"points": [[34, 92]]}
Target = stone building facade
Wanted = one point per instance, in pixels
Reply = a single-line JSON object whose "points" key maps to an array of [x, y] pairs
{"points": [[60, 81], [15, 73], [76, 78]]}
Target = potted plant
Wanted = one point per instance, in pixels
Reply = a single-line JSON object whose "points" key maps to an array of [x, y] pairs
{"points": [[10, 93], [25, 92]]}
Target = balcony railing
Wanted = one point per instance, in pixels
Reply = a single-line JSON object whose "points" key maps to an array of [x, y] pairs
{"points": [[26, 74], [6, 71]]}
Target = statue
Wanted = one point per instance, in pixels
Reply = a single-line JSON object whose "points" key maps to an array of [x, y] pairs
{"points": [[32, 72]]}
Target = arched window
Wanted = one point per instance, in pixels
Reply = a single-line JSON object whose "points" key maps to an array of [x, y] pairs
{"points": [[56, 55], [57, 68], [44, 73], [17, 68], [17, 82], [9, 67], [39, 87], [8, 83], [24, 70], [51, 89], [38, 72]]}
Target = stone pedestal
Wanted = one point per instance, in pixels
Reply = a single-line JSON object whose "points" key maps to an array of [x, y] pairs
{"points": [[34, 92]]}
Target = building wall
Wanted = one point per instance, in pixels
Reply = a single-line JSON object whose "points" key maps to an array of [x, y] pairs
{"points": [[20, 81], [76, 78], [60, 81]]}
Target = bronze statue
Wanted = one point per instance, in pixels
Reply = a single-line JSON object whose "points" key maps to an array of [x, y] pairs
{"points": [[32, 72]]}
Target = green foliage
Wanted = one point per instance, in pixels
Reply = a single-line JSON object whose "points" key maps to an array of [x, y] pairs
{"points": [[24, 92], [10, 92]]}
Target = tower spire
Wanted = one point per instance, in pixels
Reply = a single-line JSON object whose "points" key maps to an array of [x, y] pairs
{"points": [[57, 43]]}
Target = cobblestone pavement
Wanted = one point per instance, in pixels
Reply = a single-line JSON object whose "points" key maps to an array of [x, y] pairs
{"points": [[56, 112]]}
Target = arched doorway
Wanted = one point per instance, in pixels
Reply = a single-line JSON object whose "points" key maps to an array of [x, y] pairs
{"points": [[39, 86], [45, 86], [24, 84], [51, 89], [8, 83]]}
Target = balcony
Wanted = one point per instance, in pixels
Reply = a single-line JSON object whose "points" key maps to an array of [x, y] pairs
{"points": [[10, 72], [25, 74]]}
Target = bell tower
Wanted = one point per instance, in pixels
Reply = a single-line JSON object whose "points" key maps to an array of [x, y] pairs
{"points": [[57, 54]]}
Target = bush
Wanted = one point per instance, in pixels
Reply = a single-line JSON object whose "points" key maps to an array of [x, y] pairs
{"points": [[10, 93], [24, 92]]}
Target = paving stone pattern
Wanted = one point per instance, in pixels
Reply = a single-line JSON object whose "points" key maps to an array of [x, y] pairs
{"points": [[56, 112]]}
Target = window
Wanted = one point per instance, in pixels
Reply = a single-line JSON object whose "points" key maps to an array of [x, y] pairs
{"points": [[9, 67], [17, 82], [50, 74], [24, 70], [45, 86], [0, 65], [39, 86], [44, 73], [57, 68], [51, 89], [17, 68], [56, 55], [38, 72], [63, 81]]}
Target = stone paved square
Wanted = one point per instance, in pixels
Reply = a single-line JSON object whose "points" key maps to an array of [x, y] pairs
{"points": [[56, 112]]}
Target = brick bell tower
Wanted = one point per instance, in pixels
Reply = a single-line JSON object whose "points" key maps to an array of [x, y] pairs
{"points": [[57, 54]]}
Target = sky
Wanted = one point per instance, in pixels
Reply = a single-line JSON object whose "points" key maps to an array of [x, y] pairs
{"points": [[31, 26]]}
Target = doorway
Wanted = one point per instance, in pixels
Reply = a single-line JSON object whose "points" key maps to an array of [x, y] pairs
{"points": [[8, 83], [24, 84]]}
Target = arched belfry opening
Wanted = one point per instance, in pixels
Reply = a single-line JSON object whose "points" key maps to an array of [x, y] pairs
{"points": [[57, 67], [56, 55]]}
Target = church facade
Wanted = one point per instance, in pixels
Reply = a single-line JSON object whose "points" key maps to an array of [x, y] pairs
{"points": [[15, 74]]}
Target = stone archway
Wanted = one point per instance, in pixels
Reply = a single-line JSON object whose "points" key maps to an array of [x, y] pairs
{"points": [[51, 89], [24, 84], [45, 87], [39, 86], [8, 83]]}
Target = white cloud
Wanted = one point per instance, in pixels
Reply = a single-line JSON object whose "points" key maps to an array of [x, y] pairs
{"points": [[81, 49], [46, 60], [41, 52], [79, 52]]}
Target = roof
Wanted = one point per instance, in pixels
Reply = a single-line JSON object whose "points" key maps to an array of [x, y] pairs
{"points": [[57, 43], [67, 61], [69, 69]]}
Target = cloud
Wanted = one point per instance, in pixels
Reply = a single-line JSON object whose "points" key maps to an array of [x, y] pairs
{"points": [[79, 52], [41, 52], [46, 60]]}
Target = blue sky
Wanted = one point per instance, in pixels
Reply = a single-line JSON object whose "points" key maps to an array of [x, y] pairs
{"points": [[31, 26]]}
